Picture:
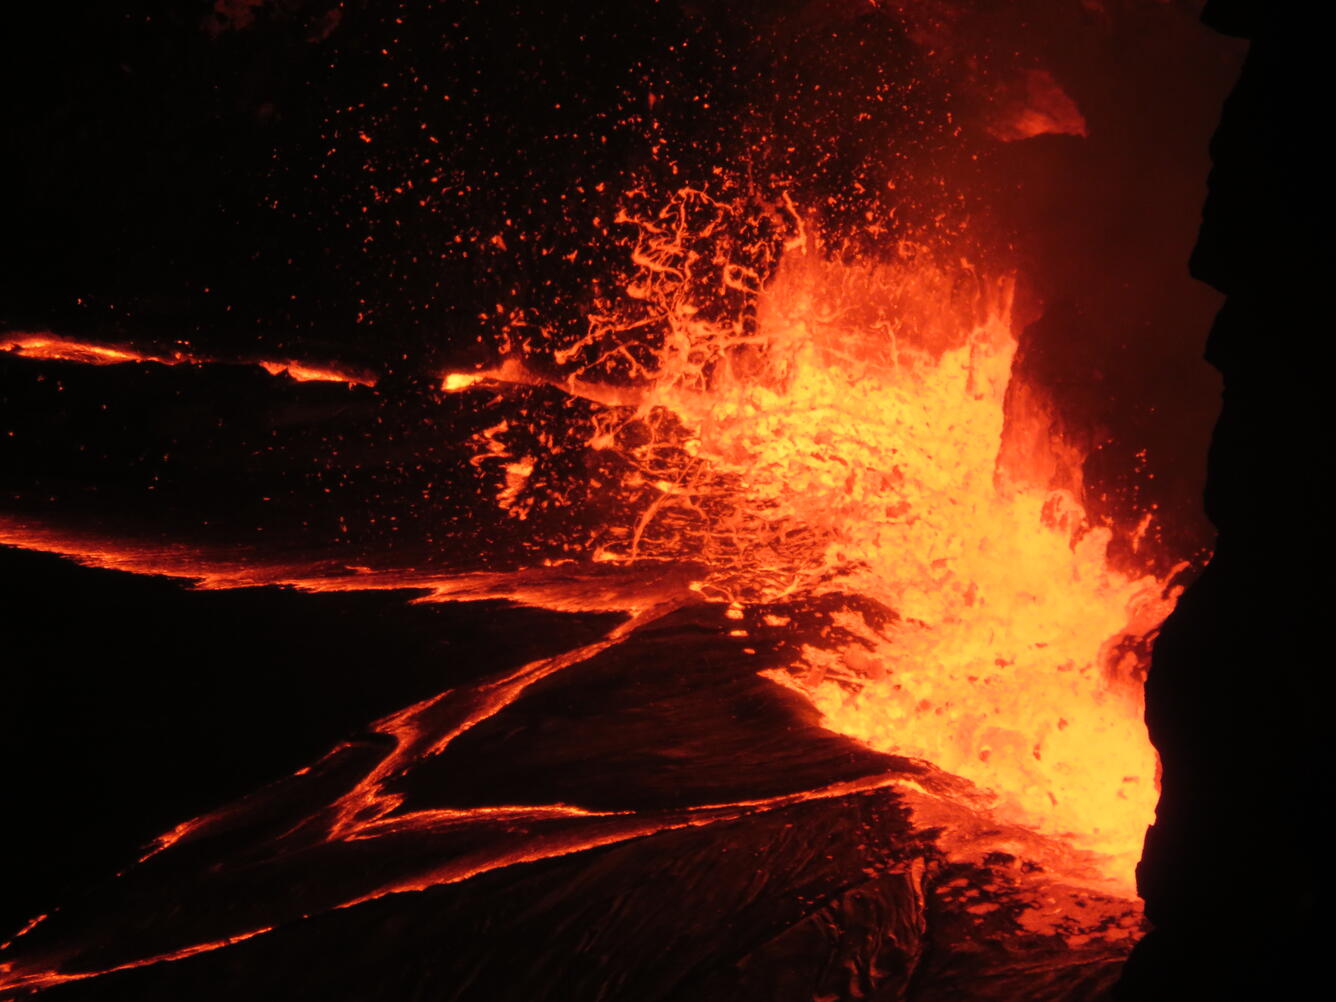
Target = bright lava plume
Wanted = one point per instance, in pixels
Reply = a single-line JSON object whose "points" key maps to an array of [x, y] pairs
{"points": [[849, 429]]}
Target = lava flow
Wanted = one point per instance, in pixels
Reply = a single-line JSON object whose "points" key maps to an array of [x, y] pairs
{"points": [[64, 349]]}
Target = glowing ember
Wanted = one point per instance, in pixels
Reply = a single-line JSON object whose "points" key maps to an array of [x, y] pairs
{"points": [[456, 381], [312, 373], [1036, 108]]}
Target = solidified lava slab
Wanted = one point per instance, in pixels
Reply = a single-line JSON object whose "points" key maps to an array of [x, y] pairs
{"points": [[135, 703], [838, 896], [700, 913], [430, 790]]}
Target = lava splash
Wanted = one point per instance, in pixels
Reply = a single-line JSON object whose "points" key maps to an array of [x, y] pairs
{"points": [[842, 480]]}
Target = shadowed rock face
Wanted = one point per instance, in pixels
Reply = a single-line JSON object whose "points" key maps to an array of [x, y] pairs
{"points": [[1234, 690]]}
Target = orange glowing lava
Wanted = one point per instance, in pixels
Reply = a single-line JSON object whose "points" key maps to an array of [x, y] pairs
{"points": [[52, 347], [860, 438], [62, 349], [315, 373], [851, 429]]}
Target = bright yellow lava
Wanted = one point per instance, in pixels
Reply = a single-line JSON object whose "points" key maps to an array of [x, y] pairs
{"points": [[861, 439]]}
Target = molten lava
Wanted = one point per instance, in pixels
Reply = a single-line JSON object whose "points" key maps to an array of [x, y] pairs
{"points": [[849, 429], [53, 347], [1008, 661]]}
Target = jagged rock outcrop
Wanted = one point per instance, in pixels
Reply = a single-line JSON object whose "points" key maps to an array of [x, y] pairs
{"points": [[1232, 869]]}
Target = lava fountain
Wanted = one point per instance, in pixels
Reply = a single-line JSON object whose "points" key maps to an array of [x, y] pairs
{"points": [[853, 428]]}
